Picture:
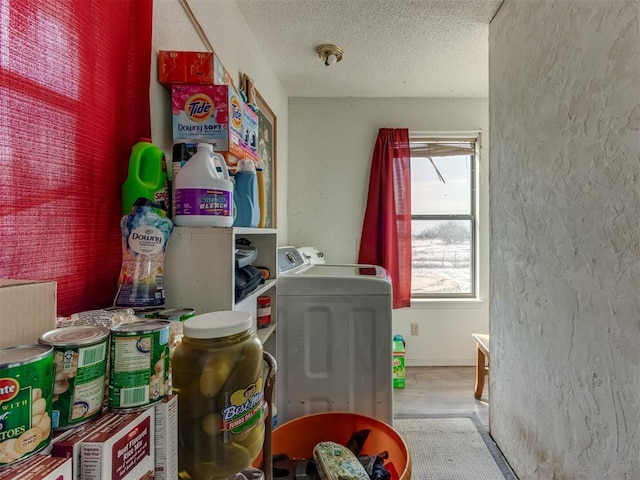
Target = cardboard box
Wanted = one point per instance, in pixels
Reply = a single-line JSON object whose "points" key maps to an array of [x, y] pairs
{"points": [[221, 75], [27, 310], [204, 68], [120, 450], [214, 114], [166, 438], [39, 467], [248, 142], [68, 444]]}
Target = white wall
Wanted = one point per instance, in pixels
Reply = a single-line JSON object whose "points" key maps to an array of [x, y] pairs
{"points": [[565, 270], [238, 50], [330, 145]]}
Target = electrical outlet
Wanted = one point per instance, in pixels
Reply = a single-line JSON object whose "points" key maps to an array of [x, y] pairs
{"points": [[414, 329]]}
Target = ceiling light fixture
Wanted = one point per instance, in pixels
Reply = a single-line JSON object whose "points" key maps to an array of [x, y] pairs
{"points": [[329, 54]]}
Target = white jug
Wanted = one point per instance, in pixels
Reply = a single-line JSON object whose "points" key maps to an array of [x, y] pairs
{"points": [[204, 196]]}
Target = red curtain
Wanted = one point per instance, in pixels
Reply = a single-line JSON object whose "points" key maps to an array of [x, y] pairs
{"points": [[386, 230], [74, 89]]}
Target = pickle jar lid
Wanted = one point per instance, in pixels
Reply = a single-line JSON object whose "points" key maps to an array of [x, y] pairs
{"points": [[217, 324]]}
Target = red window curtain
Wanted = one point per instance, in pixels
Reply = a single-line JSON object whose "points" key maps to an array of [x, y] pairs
{"points": [[386, 230], [74, 89]]}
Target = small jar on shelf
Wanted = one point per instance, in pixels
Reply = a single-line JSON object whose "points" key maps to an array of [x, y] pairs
{"points": [[263, 316]]}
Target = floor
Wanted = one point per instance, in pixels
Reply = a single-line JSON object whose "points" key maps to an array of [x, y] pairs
{"points": [[441, 390]]}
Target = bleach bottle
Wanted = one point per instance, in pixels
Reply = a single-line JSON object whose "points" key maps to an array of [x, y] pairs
{"points": [[204, 196], [246, 195]]}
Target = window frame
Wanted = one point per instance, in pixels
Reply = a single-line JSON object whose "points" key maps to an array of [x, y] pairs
{"points": [[472, 217]]}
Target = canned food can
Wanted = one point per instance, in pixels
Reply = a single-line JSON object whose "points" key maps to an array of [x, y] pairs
{"points": [[26, 385], [263, 317], [147, 312], [80, 367], [177, 314], [139, 365]]}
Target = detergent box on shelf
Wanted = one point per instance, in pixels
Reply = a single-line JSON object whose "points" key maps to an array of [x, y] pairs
{"points": [[214, 114], [248, 142], [191, 68]]}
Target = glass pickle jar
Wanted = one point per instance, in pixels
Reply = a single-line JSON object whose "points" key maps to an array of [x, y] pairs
{"points": [[218, 375]]}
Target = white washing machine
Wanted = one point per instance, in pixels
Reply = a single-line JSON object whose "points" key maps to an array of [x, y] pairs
{"points": [[334, 346], [312, 255]]}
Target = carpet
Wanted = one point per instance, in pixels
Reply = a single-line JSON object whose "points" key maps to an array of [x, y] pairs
{"points": [[451, 447]]}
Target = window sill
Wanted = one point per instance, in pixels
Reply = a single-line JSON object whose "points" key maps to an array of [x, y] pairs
{"points": [[446, 303]]}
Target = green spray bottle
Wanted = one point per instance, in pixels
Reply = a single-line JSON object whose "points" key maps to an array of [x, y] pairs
{"points": [[147, 177]]}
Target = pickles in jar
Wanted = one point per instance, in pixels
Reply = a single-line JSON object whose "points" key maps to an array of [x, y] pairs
{"points": [[217, 369], [250, 357], [218, 375]]}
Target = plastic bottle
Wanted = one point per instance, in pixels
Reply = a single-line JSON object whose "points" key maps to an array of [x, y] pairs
{"points": [[147, 176], [398, 361], [181, 152], [246, 195], [262, 197], [204, 196], [145, 233]]}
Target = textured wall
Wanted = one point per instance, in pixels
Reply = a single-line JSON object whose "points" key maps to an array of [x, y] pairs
{"points": [[564, 108]]}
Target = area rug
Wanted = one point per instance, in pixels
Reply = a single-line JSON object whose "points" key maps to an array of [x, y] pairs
{"points": [[451, 447]]}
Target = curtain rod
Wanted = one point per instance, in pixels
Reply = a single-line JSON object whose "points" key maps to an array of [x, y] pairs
{"points": [[453, 134]]}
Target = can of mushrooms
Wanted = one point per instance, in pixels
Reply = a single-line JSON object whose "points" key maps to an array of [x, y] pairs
{"points": [[26, 383], [139, 365], [80, 363]]}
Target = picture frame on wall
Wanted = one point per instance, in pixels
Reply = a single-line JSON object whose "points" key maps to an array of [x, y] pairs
{"points": [[267, 154]]}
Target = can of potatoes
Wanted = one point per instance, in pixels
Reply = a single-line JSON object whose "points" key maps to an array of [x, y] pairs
{"points": [[26, 384], [80, 366], [139, 365]]}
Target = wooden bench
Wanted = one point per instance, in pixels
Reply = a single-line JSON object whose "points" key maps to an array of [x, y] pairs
{"points": [[482, 361]]}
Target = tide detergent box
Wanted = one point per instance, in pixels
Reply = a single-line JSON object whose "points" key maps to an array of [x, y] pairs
{"points": [[214, 114]]}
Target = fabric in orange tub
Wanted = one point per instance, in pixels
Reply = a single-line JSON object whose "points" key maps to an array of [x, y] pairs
{"points": [[297, 438]]}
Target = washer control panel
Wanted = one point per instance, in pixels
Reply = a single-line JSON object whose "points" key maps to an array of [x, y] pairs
{"points": [[289, 259]]}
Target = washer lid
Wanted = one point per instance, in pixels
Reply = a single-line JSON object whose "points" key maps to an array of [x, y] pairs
{"points": [[343, 270], [334, 280]]}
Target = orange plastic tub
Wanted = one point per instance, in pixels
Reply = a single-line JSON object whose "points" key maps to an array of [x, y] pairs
{"points": [[297, 438]]}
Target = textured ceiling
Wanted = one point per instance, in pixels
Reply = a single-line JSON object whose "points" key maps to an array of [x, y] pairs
{"points": [[392, 48]]}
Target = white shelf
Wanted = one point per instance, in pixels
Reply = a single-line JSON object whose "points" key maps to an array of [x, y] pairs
{"points": [[265, 333], [251, 298], [254, 231], [199, 270]]}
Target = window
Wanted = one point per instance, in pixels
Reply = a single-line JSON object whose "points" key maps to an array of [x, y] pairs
{"points": [[443, 216]]}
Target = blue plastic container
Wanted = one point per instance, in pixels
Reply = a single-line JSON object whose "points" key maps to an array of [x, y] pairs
{"points": [[245, 195]]}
